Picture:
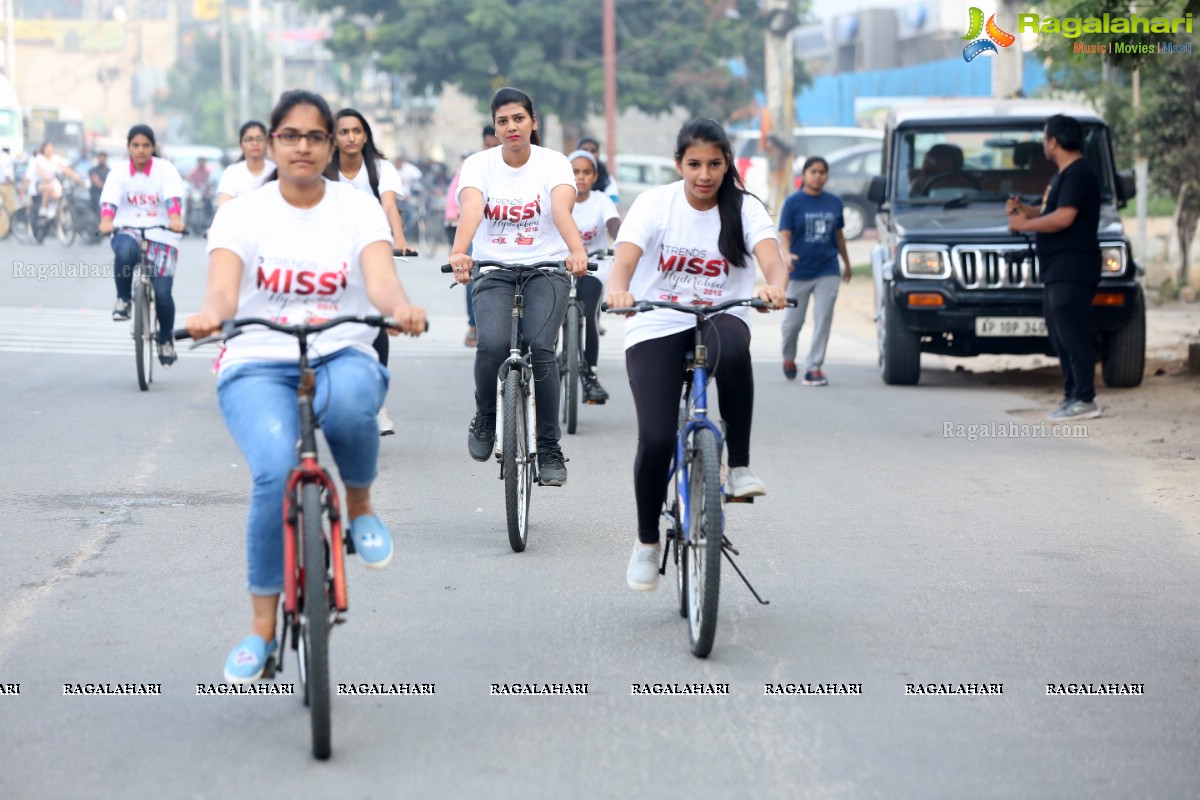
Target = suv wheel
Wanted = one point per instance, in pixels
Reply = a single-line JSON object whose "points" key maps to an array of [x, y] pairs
{"points": [[1124, 358], [899, 348]]}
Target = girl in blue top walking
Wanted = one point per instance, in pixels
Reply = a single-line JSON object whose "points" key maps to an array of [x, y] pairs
{"points": [[810, 231]]}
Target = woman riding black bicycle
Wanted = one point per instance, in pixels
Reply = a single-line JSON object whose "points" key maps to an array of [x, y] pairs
{"points": [[149, 193], [301, 248], [516, 207], [691, 242]]}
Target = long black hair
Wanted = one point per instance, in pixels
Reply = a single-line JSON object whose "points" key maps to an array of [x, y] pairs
{"points": [[289, 100], [242, 134], [369, 152], [510, 95], [732, 240]]}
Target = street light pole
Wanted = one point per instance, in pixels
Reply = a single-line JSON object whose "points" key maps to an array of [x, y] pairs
{"points": [[779, 61], [610, 84], [10, 43]]}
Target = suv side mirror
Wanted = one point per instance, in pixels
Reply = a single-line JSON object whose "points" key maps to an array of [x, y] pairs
{"points": [[1126, 186], [877, 191]]}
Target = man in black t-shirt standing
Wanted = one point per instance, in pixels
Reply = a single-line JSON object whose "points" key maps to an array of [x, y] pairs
{"points": [[1068, 252]]}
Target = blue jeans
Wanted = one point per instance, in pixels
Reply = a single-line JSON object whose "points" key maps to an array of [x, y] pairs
{"points": [[127, 251], [258, 401]]}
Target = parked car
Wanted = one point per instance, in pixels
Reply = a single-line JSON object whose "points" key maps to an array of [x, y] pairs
{"points": [[807, 141], [636, 174], [850, 173], [950, 278]]}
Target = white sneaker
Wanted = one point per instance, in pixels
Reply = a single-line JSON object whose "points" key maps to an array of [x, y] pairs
{"points": [[642, 573], [386, 428], [744, 483]]}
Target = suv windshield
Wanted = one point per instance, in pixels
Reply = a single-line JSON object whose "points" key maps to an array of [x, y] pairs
{"points": [[986, 164]]}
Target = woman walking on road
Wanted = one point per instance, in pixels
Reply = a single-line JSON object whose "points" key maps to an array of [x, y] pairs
{"points": [[301, 248], [516, 204], [811, 229], [691, 242]]}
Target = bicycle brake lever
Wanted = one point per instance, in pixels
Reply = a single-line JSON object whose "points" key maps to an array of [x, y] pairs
{"points": [[216, 337]]}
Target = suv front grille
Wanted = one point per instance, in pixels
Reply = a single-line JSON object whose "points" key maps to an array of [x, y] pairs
{"points": [[985, 268]]}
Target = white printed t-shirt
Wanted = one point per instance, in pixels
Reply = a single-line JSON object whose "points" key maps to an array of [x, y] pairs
{"points": [[591, 217], [681, 261], [141, 197], [299, 264], [389, 179], [517, 225], [237, 179]]}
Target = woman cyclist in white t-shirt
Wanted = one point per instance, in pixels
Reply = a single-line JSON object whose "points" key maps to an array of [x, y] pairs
{"points": [[252, 169], [515, 204], [358, 162], [300, 248], [691, 242], [598, 221]]}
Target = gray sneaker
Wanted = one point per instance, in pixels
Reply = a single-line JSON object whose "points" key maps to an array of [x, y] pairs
{"points": [[166, 354], [121, 311], [1058, 408], [642, 572], [1075, 410]]}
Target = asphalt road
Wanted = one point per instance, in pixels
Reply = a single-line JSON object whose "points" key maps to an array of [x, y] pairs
{"points": [[891, 554]]}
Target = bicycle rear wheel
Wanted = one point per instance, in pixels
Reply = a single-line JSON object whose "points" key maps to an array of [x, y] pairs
{"points": [[314, 627], [143, 334], [19, 227], [517, 465], [702, 550], [64, 223], [570, 380]]}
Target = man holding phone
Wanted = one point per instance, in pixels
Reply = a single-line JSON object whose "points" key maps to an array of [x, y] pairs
{"points": [[1069, 254]]}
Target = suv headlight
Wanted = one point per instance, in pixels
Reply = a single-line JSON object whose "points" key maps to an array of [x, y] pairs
{"points": [[926, 263], [1112, 259]]}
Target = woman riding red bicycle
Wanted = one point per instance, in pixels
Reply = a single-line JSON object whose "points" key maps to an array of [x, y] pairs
{"points": [[301, 248]]}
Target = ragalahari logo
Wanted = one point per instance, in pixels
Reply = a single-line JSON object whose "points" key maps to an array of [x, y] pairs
{"points": [[978, 46]]}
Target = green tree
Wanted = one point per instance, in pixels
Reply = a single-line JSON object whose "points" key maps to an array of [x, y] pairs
{"points": [[1170, 95], [670, 53], [194, 89]]}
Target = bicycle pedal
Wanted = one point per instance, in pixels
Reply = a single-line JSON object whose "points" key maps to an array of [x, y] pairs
{"points": [[339, 619], [270, 668], [731, 499]]}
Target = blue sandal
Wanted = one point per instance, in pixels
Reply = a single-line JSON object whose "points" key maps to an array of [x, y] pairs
{"points": [[247, 660], [372, 541]]}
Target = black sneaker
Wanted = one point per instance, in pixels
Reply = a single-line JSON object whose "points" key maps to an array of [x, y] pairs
{"points": [[593, 392], [481, 436], [121, 311], [166, 354], [552, 467]]}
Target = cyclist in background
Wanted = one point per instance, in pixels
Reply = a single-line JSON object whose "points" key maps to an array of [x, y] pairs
{"points": [[302, 248], [516, 207], [252, 169], [597, 218], [691, 242], [43, 179], [605, 181], [149, 193], [358, 162]]}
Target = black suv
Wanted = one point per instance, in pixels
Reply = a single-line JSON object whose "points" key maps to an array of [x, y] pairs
{"points": [[949, 276]]}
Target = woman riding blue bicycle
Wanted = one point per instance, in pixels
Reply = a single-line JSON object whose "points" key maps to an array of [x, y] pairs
{"points": [[691, 242], [516, 207], [301, 248], [149, 194]]}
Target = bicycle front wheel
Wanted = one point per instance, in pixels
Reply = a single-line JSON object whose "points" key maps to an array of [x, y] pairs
{"points": [[702, 547], [20, 228], [516, 463], [143, 334], [570, 380], [314, 627], [65, 224]]}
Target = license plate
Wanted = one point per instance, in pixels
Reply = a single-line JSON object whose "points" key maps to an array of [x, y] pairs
{"points": [[1010, 326]]}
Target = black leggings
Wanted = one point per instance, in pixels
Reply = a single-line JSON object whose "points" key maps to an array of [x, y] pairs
{"points": [[588, 290], [656, 371]]}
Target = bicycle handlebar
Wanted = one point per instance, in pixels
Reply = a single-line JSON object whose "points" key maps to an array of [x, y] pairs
{"points": [[404, 253], [699, 311], [234, 327], [114, 231], [558, 267]]}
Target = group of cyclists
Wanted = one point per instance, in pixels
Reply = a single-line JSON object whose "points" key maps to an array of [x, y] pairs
{"points": [[306, 230]]}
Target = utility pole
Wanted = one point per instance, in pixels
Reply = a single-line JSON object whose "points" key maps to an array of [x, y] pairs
{"points": [[1141, 167], [276, 50], [226, 73], [1008, 65], [609, 33], [780, 65], [10, 43]]}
